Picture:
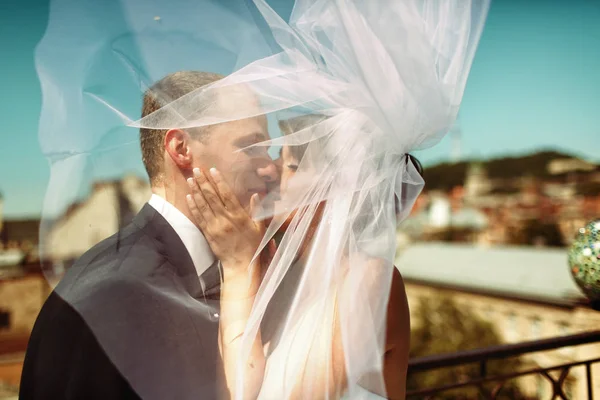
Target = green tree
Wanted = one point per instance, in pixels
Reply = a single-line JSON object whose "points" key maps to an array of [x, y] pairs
{"points": [[441, 326], [445, 176], [453, 234]]}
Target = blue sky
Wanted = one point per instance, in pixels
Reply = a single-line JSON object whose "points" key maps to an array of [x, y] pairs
{"points": [[534, 85]]}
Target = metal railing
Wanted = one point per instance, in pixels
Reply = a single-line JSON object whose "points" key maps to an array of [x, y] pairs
{"points": [[484, 355]]}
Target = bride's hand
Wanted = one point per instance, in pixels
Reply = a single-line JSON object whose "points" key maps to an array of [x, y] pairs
{"points": [[231, 233]]}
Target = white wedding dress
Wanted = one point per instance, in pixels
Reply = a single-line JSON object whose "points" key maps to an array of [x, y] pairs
{"points": [[289, 356]]}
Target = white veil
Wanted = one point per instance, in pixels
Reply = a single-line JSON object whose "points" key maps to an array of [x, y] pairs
{"points": [[385, 78], [390, 78]]}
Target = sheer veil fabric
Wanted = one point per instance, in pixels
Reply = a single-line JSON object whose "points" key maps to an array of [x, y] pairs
{"points": [[383, 77]]}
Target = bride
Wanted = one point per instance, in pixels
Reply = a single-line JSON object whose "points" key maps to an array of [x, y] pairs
{"points": [[280, 366]]}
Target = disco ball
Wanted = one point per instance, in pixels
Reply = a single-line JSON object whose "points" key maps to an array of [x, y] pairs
{"points": [[584, 260]]}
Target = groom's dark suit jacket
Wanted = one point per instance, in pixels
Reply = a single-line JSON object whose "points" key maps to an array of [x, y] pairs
{"points": [[129, 320]]}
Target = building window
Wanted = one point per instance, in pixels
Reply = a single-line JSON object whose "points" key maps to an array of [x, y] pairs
{"points": [[512, 333], [563, 328], [4, 319]]}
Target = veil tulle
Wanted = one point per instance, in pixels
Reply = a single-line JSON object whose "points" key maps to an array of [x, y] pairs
{"points": [[385, 77]]}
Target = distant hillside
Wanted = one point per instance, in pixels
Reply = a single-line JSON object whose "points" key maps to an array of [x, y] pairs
{"points": [[447, 175]]}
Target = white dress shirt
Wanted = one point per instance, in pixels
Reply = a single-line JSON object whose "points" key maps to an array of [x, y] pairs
{"points": [[192, 238]]}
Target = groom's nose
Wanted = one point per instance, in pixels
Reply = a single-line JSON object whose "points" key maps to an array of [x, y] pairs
{"points": [[268, 172]]}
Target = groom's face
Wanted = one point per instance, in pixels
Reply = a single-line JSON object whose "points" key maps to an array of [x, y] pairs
{"points": [[246, 170]]}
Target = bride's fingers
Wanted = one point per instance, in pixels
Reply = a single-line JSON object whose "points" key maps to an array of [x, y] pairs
{"points": [[209, 192], [229, 199], [196, 213], [200, 203]]}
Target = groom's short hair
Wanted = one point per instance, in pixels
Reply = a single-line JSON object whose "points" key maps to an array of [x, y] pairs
{"points": [[166, 90]]}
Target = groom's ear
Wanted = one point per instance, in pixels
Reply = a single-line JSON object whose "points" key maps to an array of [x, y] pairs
{"points": [[178, 147]]}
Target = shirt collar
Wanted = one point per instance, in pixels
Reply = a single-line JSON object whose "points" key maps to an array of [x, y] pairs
{"points": [[192, 238]]}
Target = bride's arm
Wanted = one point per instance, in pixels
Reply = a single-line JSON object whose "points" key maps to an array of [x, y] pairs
{"points": [[397, 338], [234, 238], [395, 365], [237, 298]]}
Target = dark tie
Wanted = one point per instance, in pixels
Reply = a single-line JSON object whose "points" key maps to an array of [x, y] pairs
{"points": [[211, 282]]}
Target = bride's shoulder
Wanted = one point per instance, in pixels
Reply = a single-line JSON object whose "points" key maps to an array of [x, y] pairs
{"points": [[380, 269]]}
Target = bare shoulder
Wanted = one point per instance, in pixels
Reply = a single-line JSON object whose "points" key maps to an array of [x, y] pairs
{"points": [[398, 316]]}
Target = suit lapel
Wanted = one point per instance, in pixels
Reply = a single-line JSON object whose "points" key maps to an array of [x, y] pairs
{"points": [[170, 245]]}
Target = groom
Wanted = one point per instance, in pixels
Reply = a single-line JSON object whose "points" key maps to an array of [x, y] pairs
{"points": [[137, 315]]}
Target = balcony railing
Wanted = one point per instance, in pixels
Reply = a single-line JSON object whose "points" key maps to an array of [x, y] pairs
{"points": [[483, 356]]}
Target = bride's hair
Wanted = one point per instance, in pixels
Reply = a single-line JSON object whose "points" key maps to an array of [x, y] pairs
{"points": [[297, 124]]}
